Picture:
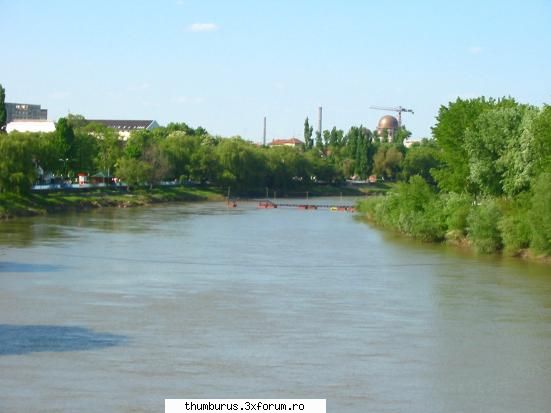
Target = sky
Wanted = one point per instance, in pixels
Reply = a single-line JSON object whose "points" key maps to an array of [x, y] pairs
{"points": [[225, 64]]}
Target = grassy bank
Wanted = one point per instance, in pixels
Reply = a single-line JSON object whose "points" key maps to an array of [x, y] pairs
{"points": [[14, 205], [40, 203]]}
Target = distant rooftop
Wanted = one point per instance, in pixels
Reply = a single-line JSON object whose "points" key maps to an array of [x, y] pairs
{"points": [[286, 142], [126, 125]]}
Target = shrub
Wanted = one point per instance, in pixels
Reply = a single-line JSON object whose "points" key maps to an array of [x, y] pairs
{"points": [[540, 214], [514, 225], [456, 209], [413, 208], [483, 228]]}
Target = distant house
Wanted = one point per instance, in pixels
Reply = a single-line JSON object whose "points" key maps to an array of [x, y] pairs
{"points": [[30, 126], [124, 127], [293, 142]]}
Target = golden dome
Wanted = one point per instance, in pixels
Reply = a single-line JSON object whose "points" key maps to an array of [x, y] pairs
{"points": [[388, 122]]}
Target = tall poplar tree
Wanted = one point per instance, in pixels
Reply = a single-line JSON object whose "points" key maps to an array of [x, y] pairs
{"points": [[308, 130]]}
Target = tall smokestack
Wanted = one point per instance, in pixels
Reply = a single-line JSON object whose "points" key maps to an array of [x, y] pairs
{"points": [[264, 133], [319, 120]]}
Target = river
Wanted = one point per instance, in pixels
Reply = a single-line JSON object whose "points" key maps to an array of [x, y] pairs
{"points": [[115, 310]]}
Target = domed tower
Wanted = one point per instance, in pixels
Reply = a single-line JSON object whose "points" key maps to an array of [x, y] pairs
{"points": [[389, 124]]}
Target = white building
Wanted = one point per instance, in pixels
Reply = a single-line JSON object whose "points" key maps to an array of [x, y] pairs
{"points": [[30, 126]]}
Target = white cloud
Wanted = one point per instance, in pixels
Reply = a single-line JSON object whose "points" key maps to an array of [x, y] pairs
{"points": [[475, 50], [202, 27]]}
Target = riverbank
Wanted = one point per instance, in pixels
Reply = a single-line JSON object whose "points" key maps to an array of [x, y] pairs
{"points": [[41, 203], [437, 224], [14, 205]]}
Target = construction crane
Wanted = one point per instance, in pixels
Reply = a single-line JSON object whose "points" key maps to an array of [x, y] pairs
{"points": [[398, 109]]}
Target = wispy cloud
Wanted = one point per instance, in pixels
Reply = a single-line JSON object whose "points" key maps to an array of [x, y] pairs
{"points": [[202, 27], [475, 50]]}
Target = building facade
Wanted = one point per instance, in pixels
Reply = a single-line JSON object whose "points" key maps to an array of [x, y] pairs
{"points": [[24, 111]]}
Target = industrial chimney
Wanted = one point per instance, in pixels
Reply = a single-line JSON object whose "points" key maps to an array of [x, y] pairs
{"points": [[319, 120], [264, 133]]}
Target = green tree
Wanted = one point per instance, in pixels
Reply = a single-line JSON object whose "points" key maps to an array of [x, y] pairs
{"points": [[420, 159], [400, 135], [452, 122], [108, 146], [319, 169], [84, 152], [514, 225], [243, 165], [17, 169], [208, 167], [76, 121], [308, 130], [358, 147], [519, 162], [3, 113], [64, 139], [133, 172], [181, 127], [540, 214], [336, 138], [159, 167], [541, 132], [137, 143], [386, 161], [487, 141], [319, 141], [412, 208], [483, 226]]}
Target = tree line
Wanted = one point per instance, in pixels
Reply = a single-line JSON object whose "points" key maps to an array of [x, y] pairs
{"points": [[182, 153], [486, 179]]}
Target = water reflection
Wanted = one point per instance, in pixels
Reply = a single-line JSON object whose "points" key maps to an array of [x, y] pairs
{"points": [[25, 267], [24, 232], [24, 339]]}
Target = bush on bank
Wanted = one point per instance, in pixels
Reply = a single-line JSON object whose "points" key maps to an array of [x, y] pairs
{"points": [[490, 224]]}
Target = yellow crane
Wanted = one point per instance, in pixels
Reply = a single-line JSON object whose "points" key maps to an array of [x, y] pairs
{"points": [[398, 109]]}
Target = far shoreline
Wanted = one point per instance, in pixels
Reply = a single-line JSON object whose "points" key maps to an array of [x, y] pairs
{"points": [[36, 203]]}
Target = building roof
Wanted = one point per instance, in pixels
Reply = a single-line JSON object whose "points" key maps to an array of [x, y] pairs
{"points": [[288, 142], [126, 125]]}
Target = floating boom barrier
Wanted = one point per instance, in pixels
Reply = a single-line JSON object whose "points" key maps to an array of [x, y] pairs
{"points": [[267, 204]]}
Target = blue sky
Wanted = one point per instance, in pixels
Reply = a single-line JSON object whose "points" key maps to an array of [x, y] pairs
{"points": [[224, 65]]}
